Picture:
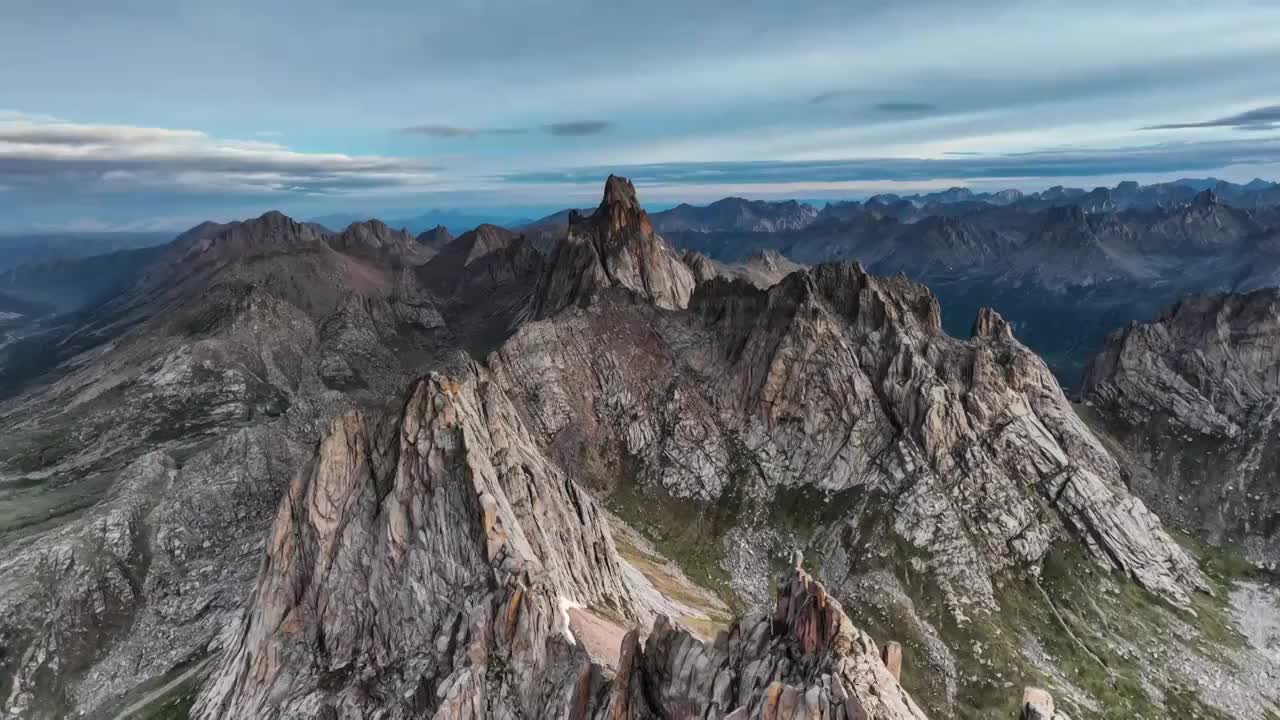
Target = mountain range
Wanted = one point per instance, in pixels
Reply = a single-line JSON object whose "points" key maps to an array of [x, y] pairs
{"points": [[1063, 275], [733, 462], [456, 221]]}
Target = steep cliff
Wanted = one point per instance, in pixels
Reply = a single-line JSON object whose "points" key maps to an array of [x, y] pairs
{"points": [[1193, 398], [494, 541], [438, 564], [615, 247]]}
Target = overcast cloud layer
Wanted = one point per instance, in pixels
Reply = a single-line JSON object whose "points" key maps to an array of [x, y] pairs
{"points": [[160, 113]]}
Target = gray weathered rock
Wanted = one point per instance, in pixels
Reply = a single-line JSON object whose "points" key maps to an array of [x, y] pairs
{"points": [[228, 356], [838, 380], [1037, 705], [422, 566], [433, 565], [763, 268], [805, 660], [1193, 397], [440, 555]]}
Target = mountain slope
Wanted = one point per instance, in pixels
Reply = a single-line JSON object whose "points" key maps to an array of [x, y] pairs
{"points": [[615, 247], [1192, 396], [441, 566], [831, 412], [736, 214], [495, 540], [220, 364]]}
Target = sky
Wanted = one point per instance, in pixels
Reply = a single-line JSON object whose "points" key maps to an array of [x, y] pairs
{"points": [[142, 114]]}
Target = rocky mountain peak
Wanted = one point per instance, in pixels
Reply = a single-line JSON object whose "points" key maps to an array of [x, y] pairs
{"points": [[1202, 364], [831, 668], [485, 239], [769, 259], [990, 326], [273, 218], [614, 247], [442, 553], [812, 296], [435, 238], [427, 549], [619, 209], [1205, 198], [703, 267], [737, 214], [619, 191], [375, 240], [1192, 396], [269, 233]]}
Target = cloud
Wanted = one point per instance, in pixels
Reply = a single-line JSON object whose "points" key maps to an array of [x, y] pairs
{"points": [[569, 128], [830, 95], [890, 106], [574, 128], [1164, 158], [454, 131], [43, 156], [1263, 118], [906, 107]]}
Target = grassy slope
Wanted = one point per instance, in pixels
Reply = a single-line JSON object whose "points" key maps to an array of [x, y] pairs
{"points": [[1099, 631]]}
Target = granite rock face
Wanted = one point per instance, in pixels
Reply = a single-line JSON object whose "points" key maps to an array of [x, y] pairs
{"points": [[763, 268], [1193, 398], [805, 660], [445, 551], [1208, 364], [422, 567], [616, 247], [434, 565], [841, 381], [222, 364]]}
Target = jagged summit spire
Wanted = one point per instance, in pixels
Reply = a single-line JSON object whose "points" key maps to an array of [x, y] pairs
{"points": [[990, 325], [619, 191], [1205, 198], [615, 247], [619, 209]]}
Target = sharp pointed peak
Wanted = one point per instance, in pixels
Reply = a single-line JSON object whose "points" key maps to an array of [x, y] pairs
{"points": [[1205, 198], [619, 191], [990, 325]]}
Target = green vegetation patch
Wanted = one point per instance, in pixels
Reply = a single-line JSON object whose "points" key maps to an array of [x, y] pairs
{"points": [[683, 530]]}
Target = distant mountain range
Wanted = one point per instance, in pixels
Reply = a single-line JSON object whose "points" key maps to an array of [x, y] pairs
{"points": [[35, 248], [1063, 265], [740, 214], [457, 221]]}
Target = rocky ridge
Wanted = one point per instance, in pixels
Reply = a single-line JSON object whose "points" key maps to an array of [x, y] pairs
{"points": [[962, 459], [839, 380], [737, 214], [440, 565], [1191, 396], [937, 485], [763, 269], [615, 247], [222, 363]]}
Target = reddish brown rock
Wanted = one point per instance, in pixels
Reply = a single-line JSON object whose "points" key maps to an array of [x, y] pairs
{"points": [[892, 655]]}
